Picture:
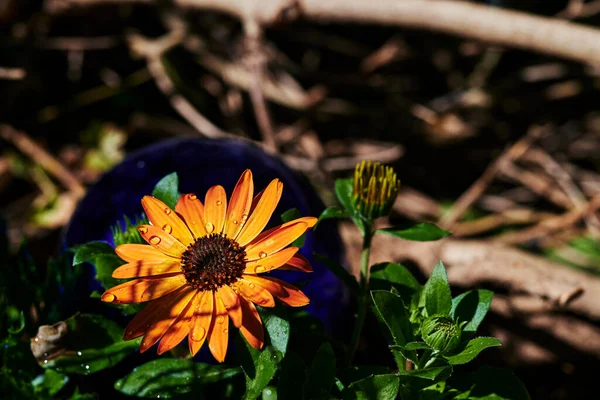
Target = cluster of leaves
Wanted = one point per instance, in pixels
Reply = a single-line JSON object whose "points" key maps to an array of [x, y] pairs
{"points": [[429, 334]]}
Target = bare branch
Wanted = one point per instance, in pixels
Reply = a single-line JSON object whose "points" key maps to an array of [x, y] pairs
{"points": [[496, 26], [479, 186], [27, 146]]}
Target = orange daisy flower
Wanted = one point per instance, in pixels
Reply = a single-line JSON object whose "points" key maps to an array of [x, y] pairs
{"points": [[203, 267]]}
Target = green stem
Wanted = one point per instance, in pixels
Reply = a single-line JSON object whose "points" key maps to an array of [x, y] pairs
{"points": [[363, 296]]}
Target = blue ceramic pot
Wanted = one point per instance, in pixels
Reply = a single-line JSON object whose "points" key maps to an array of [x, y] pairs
{"points": [[201, 164]]}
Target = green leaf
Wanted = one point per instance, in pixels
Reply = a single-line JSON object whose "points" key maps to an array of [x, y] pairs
{"points": [[89, 251], [385, 276], [471, 349], [490, 384], [343, 192], [90, 344], [417, 346], [471, 307], [391, 313], [48, 384], [259, 366], [390, 308], [277, 327], [21, 324], [167, 190], [321, 374], [436, 292], [375, 387], [333, 212], [357, 373], [429, 374], [409, 351], [423, 232], [291, 377], [339, 271], [102, 256], [290, 215], [169, 377]]}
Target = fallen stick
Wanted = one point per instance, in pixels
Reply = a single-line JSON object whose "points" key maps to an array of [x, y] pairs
{"points": [[475, 264], [493, 25]]}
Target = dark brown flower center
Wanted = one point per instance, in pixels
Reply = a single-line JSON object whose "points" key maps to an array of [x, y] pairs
{"points": [[213, 261]]}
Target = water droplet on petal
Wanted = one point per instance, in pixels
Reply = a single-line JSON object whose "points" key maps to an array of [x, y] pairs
{"points": [[235, 222], [259, 268], [155, 240], [167, 210], [198, 334], [109, 297], [244, 216], [220, 319], [192, 196], [251, 284], [142, 230], [262, 254], [209, 227], [225, 330], [219, 202], [167, 228]]}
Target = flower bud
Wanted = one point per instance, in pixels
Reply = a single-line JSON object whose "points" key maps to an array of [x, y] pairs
{"points": [[375, 189], [441, 332]]}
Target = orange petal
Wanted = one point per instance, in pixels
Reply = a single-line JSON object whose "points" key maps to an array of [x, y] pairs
{"points": [[310, 221], [275, 241], [232, 304], [297, 263], [144, 320], [261, 214], [180, 327], [161, 240], [153, 312], [135, 252], [218, 335], [239, 205], [288, 294], [215, 207], [201, 321], [148, 267], [190, 208], [164, 218], [128, 292], [271, 262], [254, 293], [163, 286], [165, 317], [252, 327]]}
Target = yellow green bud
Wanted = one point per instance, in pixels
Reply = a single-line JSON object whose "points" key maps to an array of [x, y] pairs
{"points": [[375, 189], [441, 332]]}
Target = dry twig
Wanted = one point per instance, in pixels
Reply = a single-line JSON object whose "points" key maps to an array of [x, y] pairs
{"points": [[501, 27], [41, 157], [477, 188], [152, 51], [550, 225], [257, 64]]}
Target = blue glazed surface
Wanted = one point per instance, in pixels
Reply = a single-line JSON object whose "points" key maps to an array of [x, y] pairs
{"points": [[201, 164]]}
